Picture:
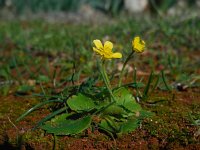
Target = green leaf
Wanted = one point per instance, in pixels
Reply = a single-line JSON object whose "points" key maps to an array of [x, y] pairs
{"points": [[114, 110], [145, 114], [129, 125], [125, 105], [48, 117], [133, 122], [63, 125], [113, 125], [125, 99], [80, 103], [109, 124], [123, 116]]}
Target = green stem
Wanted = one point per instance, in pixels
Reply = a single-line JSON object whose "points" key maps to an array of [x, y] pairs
{"points": [[105, 76], [55, 142], [124, 65], [106, 81], [108, 86]]}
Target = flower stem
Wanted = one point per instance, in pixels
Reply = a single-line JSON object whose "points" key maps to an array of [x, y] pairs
{"points": [[124, 65], [108, 86], [106, 81]]}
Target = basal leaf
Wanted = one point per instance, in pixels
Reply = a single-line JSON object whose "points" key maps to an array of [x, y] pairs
{"points": [[109, 124], [129, 125], [115, 126], [125, 115], [114, 110], [80, 103], [62, 125], [125, 99], [125, 104], [145, 114]]}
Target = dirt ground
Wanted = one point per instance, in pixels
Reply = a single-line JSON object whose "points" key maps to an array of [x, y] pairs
{"points": [[170, 128]]}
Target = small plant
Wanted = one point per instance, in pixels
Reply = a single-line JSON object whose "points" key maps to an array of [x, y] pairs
{"points": [[111, 109]]}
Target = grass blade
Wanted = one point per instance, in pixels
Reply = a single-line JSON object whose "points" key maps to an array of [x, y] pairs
{"points": [[156, 84], [49, 117], [146, 90], [36, 107], [164, 80]]}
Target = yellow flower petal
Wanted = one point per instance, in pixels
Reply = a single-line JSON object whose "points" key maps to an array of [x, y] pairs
{"points": [[105, 50], [97, 51], [138, 45], [108, 46], [116, 55], [98, 44]]}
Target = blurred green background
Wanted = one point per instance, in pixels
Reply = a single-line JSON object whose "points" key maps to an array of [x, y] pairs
{"points": [[112, 7]]}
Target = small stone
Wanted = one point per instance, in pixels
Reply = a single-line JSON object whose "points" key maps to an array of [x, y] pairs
{"points": [[137, 114], [136, 6]]}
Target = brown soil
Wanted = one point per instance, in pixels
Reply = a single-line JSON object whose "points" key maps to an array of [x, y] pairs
{"points": [[170, 128]]}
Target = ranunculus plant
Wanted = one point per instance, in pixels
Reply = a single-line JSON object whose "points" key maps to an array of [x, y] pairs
{"points": [[108, 107]]}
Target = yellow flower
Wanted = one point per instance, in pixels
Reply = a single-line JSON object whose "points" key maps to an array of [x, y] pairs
{"points": [[138, 45], [105, 50]]}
